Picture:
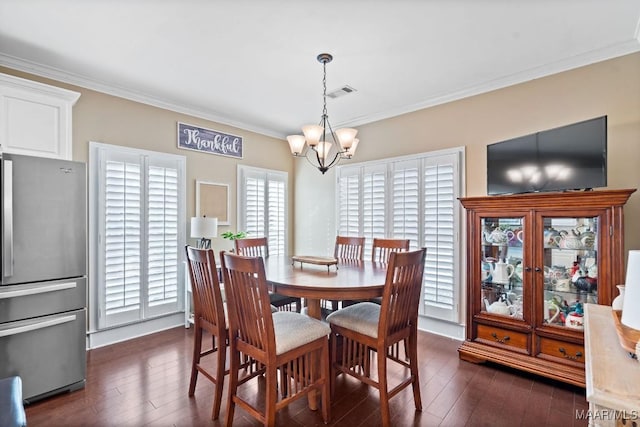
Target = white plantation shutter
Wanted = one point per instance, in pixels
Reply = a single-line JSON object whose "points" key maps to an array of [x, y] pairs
{"points": [[262, 206], [413, 198], [162, 236], [276, 215], [122, 239], [255, 207], [349, 204], [140, 211], [405, 197], [373, 205], [439, 221]]}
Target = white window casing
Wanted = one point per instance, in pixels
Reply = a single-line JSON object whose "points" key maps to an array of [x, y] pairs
{"points": [[139, 234], [416, 198], [263, 206]]}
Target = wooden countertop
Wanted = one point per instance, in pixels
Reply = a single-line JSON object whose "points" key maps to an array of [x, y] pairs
{"points": [[612, 376]]}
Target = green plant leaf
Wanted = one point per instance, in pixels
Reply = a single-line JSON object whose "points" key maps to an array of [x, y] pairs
{"points": [[233, 236]]}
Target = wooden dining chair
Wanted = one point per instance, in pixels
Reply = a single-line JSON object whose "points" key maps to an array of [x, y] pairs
{"points": [[366, 327], [346, 249], [286, 341], [380, 251], [259, 247], [252, 246], [382, 248], [349, 248], [209, 316]]}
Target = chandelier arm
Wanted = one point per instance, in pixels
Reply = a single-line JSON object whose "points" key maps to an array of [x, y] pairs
{"points": [[306, 156], [340, 151], [336, 142], [335, 160]]}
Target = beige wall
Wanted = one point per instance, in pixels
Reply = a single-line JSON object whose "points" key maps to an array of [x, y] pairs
{"points": [[112, 120], [609, 88]]}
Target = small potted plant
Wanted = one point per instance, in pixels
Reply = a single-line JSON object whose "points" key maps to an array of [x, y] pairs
{"points": [[230, 235]]}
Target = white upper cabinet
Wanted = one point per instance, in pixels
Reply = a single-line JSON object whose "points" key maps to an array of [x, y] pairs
{"points": [[35, 118]]}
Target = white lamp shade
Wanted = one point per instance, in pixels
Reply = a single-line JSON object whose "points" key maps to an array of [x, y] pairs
{"points": [[312, 134], [352, 150], [345, 137], [203, 227], [630, 312], [296, 143], [323, 149]]}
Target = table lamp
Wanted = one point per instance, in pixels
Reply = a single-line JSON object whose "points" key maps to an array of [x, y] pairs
{"points": [[630, 312], [203, 228]]}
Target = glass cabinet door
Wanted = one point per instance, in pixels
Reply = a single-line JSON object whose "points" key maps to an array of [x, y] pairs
{"points": [[570, 271], [501, 250]]}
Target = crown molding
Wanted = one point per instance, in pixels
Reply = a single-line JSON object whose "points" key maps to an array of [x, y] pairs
{"points": [[87, 83], [577, 61], [567, 64]]}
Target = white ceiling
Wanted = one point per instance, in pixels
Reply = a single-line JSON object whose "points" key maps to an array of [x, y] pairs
{"points": [[252, 63]]}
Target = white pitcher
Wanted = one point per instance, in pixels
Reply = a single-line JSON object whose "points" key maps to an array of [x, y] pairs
{"points": [[502, 272]]}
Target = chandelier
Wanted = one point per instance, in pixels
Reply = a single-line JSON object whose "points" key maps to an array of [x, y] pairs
{"points": [[314, 145]]}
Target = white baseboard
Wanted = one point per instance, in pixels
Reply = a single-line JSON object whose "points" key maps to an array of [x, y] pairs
{"points": [[440, 327], [127, 332]]}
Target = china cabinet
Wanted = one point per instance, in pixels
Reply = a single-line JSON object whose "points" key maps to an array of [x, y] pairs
{"points": [[533, 262]]}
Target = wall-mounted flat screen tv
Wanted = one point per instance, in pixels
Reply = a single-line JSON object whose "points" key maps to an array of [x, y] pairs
{"points": [[572, 157]]}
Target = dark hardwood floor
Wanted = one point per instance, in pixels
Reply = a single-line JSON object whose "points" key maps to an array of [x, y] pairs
{"points": [[144, 382]]}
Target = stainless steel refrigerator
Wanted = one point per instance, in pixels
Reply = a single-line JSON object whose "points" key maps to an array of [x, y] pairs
{"points": [[43, 206]]}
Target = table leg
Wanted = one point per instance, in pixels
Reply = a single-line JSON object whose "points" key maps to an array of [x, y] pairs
{"points": [[313, 310]]}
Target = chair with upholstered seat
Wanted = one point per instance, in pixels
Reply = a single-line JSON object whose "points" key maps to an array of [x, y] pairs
{"points": [[209, 316], [380, 251], [284, 341], [259, 246], [382, 248], [347, 249], [366, 327]]}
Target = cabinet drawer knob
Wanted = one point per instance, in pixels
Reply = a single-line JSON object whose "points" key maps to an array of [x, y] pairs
{"points": [[500, 340], [527, 269], [564, 353], [538, 269]]}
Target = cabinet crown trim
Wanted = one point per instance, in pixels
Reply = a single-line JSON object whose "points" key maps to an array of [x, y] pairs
{"points": [[9, 81], [566, 199]]}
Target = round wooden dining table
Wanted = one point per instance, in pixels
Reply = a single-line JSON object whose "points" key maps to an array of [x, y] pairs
{"points": [[348, 280]]}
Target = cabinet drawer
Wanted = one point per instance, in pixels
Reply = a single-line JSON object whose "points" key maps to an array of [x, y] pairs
{"points": [[499, 336], [561, 349], [48, 352]]}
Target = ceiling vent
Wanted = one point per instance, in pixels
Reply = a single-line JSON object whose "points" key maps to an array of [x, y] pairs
{"points": [[344, 90]]}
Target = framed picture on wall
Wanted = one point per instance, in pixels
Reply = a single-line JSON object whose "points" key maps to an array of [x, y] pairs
{"points": [[212, 201]]}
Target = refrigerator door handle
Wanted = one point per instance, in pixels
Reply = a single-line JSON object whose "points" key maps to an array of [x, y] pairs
{"points": [[38, 325], [7, 219], [34, 290]]}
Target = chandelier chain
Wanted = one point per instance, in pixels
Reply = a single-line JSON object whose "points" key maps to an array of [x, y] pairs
{"points": [[324, 89]]}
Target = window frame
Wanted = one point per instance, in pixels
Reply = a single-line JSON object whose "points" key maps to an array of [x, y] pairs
{"points": [[423, 161], [98, 152], [245, 172]]}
